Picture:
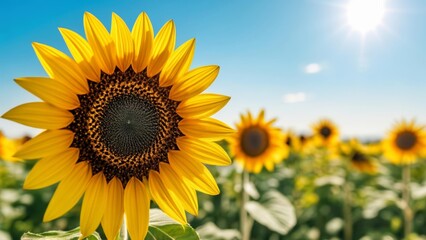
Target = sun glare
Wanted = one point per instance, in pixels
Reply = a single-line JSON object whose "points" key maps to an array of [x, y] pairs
{"points": [[365, 15]]}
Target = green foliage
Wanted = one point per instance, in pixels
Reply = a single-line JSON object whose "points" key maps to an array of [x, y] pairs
{"points": [[23, 210], [274, 211], [73, 234], [161, 227], [312, 182], [212, 232]]}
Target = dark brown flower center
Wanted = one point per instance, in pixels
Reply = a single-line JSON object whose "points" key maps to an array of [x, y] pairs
{"points": [[125, 125], [288, 141], [129, 125], [359, 157], [302, 139], [325, 132], [254, 141], [406, 140]]}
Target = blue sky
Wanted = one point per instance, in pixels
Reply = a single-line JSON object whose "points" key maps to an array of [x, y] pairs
{"points": [[264, 48]]}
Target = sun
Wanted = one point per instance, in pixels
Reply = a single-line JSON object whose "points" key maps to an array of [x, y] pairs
{"points": [[365, 15]]}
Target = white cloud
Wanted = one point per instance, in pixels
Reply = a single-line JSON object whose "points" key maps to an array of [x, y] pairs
{"points": [[294, 97], [313, 68]]}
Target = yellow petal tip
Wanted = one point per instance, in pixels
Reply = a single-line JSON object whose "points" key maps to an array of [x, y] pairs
{"points": [[47, 218], [25, 186]]}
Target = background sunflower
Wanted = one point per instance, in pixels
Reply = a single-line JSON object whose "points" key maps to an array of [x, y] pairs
{"points": [[405, 143], [358, 156], [325, 133], [257, 143]]}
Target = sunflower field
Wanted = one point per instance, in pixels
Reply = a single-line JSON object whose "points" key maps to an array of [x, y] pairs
{"points": [[321, 187], [123, 131]]}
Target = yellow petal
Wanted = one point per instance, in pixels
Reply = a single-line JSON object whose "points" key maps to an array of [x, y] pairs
{"points": [[143, 38], [50, 91], [202, 106], [194, 172], [194, 82], [82, 53], [250, 118], [68, 192], [180, 189], [272, 121], [163, 46], [261, 117], [61, 68], [244, 120], [258, 166], [123, 42], [8, 147], [136, 206], [94, 204], [101, 42], [204, 151], [51, 169], [249, 165], [205, 128], [49, 142], [40, 115], [113, 217], [178, 63], [170, 205]]}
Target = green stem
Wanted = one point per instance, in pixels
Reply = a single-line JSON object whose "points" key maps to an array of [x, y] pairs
{"points": [[123, 230], [347, 210], [1, 198], [408, 214], [244, 221]]}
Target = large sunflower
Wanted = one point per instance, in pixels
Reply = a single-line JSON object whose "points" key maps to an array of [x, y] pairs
{"points": [[258, 143], [326, 133], [126, 123], [405, 143]]}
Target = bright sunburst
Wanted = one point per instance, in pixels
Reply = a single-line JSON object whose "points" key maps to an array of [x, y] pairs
{"points": [[365, 15]]}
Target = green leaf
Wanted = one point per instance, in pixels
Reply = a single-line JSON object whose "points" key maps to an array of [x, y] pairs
{"points": [[377, 201], [251, 190], [274, 211], [73, 234], [212, 232], [162, 227], [329, 180]]}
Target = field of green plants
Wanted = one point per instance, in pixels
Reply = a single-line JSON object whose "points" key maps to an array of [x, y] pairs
{"points": [[315, 193]]}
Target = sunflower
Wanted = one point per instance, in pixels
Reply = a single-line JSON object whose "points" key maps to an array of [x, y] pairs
{"points": [[303, 144], [258, 143], [405, 143], [374, 148], [326, 133], [125, 123], [297, 143], [291, 139], [8, 146], [358, 156]]}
